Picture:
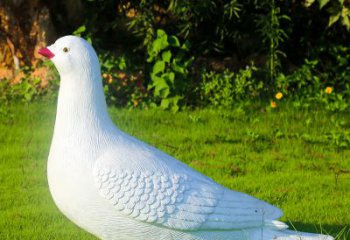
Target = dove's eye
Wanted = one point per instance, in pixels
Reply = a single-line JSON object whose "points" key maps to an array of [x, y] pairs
{"points": [[65, 49]]}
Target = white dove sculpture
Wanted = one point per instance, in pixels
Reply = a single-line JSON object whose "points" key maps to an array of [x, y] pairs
{"points": [[117, 187]]}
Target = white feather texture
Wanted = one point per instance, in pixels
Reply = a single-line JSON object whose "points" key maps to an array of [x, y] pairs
{"points": [[117, 187]]}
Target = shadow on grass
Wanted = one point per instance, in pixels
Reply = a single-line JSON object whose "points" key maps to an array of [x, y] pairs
{"points": [[218, 139], [340, 232]]}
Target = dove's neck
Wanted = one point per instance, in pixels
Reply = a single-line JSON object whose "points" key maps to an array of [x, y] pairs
{"points": [[81, 107]]}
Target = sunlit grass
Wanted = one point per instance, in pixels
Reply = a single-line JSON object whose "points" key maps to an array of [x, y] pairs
{"points": [[285, 157]]}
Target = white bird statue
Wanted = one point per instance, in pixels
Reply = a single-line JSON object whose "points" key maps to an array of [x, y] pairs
{"points": [[117, 187]]}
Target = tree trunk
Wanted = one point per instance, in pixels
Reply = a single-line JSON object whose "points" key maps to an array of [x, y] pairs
{"points": [[25, 26]]}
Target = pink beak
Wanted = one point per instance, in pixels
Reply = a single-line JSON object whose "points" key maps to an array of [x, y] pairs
{"points": [[46, 53]]}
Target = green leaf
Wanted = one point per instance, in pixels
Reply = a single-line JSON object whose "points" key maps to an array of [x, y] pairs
{"points": [[122, 63], [165, 103], [323, 3], [36, 81], [151, 56], [153, 105], [166, 56], [161, 33], [161, 42], [175, 108], [186, 46], [164, 93], [177, 67], [79, 31], [158, 45], [158, 67], [161, 88], [333, 19], [89, 40], [169, 77], [308, 3], [188, 62], [28, 96], [346, 22], [174, 41]]}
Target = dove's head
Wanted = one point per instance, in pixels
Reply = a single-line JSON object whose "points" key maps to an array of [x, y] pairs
{"points": [[72, 55]]}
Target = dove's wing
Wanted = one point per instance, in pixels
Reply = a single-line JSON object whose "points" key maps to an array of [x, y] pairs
{"points": [[161, 190]]}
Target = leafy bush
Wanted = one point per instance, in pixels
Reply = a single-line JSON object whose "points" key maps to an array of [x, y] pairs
{"points": [[334, 67], [302, 83], [169, 74], [123, 84], [226, 88], [272, 35], [189, 19], [311, 84], [277, 36], [339, 11], [29, 88]]}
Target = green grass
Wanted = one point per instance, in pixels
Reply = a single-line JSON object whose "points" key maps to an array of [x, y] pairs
{"points": [[285, 157]]}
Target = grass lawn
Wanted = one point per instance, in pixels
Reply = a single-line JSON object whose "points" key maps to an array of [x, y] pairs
{"points": [[290, 158]]}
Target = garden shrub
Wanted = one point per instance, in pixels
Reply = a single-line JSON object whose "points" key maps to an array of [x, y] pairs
{"points": [[302, 82], [334, 67], [169, 74], [224, 89], [29, 87], [123, 83]]}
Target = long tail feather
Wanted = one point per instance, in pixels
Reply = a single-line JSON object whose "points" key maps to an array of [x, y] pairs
{"points": [[271, 234]]}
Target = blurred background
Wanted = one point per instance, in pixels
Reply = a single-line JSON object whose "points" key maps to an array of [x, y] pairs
{"points": [[252, 93], [177, 53]]}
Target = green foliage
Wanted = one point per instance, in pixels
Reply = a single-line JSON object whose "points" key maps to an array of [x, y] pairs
{"points": [[301, 83], [334, 102], [340, 140], [272, 33], [262, 32], [169, 72], [334, 67], [123, 83], [200, 17], [224, 35], [143, 25], [82, 32], [213, 26], [217, 88], [189, 19], [305, 87], [338, 10], [227, 88], [27, 90]]}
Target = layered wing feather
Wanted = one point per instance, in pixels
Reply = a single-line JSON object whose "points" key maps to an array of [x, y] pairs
{"points": [[178, 201]]}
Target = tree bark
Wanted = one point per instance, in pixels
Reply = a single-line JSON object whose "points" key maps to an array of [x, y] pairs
{"points": [[25, 26]]}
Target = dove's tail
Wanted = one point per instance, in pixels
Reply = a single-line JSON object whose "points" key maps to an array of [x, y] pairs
{"points": [[269, 234], [276, 230]]}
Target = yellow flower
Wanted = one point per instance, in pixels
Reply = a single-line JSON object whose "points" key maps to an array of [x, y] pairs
{"points": [[328, 90], [131, 13], [121, 75], [110, 79], [135, 102], [279, 95], [273, 104], [104, 75]]}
